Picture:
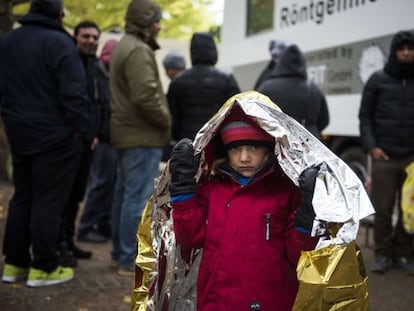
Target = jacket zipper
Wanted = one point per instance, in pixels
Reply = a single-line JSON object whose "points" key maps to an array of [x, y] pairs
{"points": [[267, 225]]}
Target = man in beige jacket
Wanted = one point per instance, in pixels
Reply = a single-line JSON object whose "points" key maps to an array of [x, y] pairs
{"points": [[140, 126]]}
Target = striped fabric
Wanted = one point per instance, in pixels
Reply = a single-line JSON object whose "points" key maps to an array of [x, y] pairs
{"points": [[239, 130]]}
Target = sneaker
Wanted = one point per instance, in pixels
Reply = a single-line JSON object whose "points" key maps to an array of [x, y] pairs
{"points": [[130, 271], [114, 264], [14, 274], [38, 278], [381, 264], [405, 264]]}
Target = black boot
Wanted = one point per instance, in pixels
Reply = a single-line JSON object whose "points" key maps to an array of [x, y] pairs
{"points": [[66, 255], [80, 253]]}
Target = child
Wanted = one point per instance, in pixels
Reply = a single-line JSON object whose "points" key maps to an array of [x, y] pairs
{"points": [[243, 216]]}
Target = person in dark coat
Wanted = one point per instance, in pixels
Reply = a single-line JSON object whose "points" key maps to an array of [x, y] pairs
{"points": [[289, 88], [94, 225], [44, 107], [387, 133], [276, 49], [87, 35], [196, 94], [174, 63]]}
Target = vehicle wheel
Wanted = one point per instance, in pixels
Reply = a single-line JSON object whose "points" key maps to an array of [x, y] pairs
{"points": [[356, 158]]}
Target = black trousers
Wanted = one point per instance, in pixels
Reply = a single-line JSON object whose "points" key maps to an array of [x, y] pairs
{"points": [[42, 183], [76, 195], [387, 179]]}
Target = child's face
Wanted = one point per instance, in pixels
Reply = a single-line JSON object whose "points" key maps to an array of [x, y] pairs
{"points": [[246, 160]]}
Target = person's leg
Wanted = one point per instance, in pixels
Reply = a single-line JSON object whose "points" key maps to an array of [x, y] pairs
{"points": [[99, 193], [117, 205], [141, 166], [16, 243], [104, 218], [383, 193], [53, 174], [68, 251]]}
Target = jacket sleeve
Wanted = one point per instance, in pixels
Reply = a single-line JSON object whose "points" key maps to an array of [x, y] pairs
{"points": [[232, 86], [296, 241], [366, 114], [323, 116], [190, 218], [72, 91], [103, 85], [144, 85], [174, 110]]}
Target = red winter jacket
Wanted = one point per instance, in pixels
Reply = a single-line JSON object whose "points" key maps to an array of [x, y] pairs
{"points": [[251, 247]]}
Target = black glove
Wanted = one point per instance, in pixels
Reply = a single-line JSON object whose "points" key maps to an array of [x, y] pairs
{"points": [[183, 167], [305, 213]]}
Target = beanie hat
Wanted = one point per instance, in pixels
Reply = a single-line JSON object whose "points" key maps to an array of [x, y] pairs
{"points": [[174, 60], [239, 133], [51, 8]]}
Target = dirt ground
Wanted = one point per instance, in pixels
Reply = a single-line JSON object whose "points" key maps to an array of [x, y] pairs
{"points": [[97, 287]]}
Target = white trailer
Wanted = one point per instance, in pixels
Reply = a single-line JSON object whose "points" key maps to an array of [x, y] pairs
{"points": [[344, 42]]}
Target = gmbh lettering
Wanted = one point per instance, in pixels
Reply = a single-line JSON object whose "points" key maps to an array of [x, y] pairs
{"points": [[345, 69], [316, 11]]}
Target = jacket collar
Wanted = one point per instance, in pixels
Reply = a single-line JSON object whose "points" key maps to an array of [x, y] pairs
{"points": [[43, 21]]}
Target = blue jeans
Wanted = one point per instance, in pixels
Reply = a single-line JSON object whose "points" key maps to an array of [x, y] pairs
{"points": [[136, 170], [97, 212]]}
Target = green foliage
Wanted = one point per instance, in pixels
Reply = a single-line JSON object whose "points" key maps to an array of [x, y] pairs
{"points": [[181, 18]]}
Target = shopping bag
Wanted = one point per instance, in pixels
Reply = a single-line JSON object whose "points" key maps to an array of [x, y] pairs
{"points": [[332, 278], [407, 200]]}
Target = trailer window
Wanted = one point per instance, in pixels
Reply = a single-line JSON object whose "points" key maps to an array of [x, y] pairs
{"points": [[259, 16]]}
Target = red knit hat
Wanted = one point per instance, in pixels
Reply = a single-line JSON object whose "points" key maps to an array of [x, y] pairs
{"points": [[239, 133]]}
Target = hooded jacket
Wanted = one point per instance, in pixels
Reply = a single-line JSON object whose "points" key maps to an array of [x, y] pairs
{"points": [[43, 98], [196, 94], [250, 245], [289, 89], [387, 106], [139, 112]]}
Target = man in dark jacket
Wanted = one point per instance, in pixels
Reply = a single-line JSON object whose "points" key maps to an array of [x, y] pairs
{"points": [[87, 35], [45, 112], [196, 94], [276, 49], [387, 133], [289, 89], [94, 225]]}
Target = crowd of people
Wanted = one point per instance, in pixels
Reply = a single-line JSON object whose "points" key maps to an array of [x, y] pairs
{"points": [[91, 129]]}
